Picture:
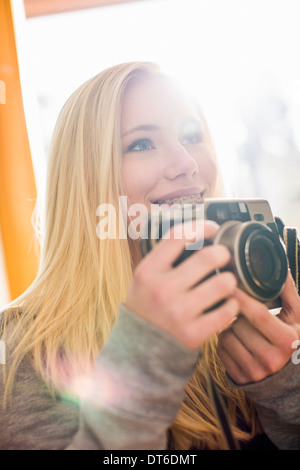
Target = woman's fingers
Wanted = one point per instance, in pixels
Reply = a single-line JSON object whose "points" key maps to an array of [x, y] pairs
{"points": [[241, 364], [257, 344], [270, 326], [209, 293], [167, 250], [254, 353], [211, 322], [233, 368], [194, 331], [251, 339], [182, 313], [200, 265]]}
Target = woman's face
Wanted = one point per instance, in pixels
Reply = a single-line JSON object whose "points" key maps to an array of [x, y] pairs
{"points": [[167, 154]]}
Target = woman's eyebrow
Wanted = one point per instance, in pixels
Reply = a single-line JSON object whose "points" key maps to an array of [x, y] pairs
{"points": [[141, 127]]}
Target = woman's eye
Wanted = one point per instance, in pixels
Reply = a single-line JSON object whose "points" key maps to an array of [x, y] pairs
{"points": [[141, 145], [194, 138]]}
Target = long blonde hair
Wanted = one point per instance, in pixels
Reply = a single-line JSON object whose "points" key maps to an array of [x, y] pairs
{"points": [[67, 314]]}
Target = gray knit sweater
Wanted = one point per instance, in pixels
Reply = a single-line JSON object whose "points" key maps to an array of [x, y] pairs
{"points": [[133, 397]]}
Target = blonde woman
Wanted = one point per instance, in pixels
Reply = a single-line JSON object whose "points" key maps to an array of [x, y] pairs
{"points": [[105, 349]]}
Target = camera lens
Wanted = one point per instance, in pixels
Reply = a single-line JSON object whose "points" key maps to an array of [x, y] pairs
{"points": [[258, 258], [264, 260], [261, 260]]}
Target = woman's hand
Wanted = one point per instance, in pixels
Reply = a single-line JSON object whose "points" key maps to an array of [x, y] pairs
{"points": [[259, 344], [172, 298]]}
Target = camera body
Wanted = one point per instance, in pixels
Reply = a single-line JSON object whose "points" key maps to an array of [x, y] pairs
{"points": [[247, 229]]}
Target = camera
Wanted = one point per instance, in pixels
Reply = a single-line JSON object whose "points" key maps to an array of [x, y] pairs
{"points": [[247, 228]]}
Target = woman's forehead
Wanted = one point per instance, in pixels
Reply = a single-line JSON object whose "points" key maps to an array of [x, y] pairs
{"points": [[157, 99]]}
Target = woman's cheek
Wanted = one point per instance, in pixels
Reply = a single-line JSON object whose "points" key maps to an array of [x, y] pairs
{"points": [[138, 179], [209, 168]]}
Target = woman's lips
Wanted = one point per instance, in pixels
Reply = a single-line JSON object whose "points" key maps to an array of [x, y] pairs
{"points": [[179, 197]]}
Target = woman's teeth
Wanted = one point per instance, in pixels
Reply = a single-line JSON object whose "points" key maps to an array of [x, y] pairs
{"points": [[182, 200]]}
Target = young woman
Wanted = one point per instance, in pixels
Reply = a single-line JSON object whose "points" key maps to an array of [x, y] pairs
{"points": [[107, 350]]}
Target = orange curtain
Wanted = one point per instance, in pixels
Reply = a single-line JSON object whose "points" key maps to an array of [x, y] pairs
{"points": [[17, 182]]}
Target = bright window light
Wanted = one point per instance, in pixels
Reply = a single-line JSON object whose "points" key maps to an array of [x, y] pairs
{"points": [[240, 58]]}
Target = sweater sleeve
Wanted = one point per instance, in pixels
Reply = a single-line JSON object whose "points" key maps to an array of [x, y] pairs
{"points": [[129, 402], [277, 401], [136, 389]]}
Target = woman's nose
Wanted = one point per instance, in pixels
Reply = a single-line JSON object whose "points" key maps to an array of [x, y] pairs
{"points": [[180, 163]]}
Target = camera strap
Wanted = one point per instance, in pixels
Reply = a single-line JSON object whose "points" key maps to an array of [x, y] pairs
{"points": [[290, 239]]}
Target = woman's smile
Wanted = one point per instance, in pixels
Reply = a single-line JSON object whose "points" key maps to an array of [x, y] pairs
{"points": [[182, 196]]}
